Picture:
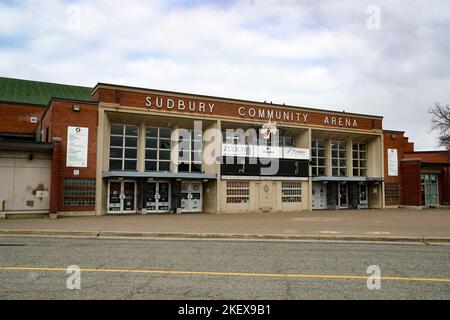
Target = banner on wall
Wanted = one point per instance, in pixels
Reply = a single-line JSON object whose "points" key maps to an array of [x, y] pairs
{"points": [[77, 147], [392, 162]]}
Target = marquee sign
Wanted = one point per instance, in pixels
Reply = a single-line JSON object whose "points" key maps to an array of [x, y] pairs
{"points": [[228, 108]]}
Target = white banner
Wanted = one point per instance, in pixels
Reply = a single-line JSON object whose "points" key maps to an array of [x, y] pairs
{"points": [[268, 152], [295, 153], [236, 150], [77, 147], [392, 162]]}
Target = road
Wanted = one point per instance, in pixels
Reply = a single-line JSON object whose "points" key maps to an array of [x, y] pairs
{"points": [[35, 268]]}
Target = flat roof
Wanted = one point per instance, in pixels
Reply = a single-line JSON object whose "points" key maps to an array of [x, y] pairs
{"points": [[131, 88]]}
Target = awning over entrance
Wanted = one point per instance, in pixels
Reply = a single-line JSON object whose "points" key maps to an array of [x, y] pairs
{"points": [[346, 179], [162, 175]]}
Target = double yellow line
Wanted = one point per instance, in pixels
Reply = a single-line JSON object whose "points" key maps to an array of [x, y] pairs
{"points": [[230, 274]]}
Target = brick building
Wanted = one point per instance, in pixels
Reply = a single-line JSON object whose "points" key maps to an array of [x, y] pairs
{"points": [[124, 150]]}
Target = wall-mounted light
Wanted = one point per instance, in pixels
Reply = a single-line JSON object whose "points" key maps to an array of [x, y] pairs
{"points": [[76, 107], [393, 136]]}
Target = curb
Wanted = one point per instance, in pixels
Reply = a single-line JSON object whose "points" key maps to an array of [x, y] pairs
{"points": [[230, 236]]}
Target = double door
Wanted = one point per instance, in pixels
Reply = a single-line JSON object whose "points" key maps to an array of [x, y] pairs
{"points": [[191, 196], [157, 196], [122, 196]]}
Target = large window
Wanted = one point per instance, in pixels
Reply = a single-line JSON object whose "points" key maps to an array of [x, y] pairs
{"points": [[238, 191], [318, 157], [291, 192], [157, 149], [339, 158], [190, 151], [123, 147], [359, 159]]}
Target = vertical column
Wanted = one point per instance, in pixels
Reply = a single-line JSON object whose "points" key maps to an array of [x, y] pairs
{"points": [[141, 148], [54, 185], [101, 185], [349, 158]]}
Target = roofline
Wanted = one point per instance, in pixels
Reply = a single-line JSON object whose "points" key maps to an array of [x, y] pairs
{"points": [[56, 83], [131, 88], [71, 100], [429, 151], [393, 131], [23, 103]]}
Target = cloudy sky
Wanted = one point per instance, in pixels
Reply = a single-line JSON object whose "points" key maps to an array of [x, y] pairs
{"points": [[389, 58]]}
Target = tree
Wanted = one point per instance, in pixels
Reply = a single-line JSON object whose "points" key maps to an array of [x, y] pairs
{"points": [[441, 123]]}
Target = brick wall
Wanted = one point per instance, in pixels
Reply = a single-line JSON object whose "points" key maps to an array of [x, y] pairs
{"points": [[58, 118], [410, 182], [395, 140], [16, 117]]}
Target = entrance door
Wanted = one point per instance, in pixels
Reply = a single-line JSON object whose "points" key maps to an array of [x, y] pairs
{"points": [[156, 196], [430, 194], [122, 196], [191, 196], [363, 200], [343, 195], [319, 196]]}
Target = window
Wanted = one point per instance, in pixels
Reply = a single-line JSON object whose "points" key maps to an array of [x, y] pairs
{"points": [[291, 192], [339, 158], [318, 157], [157, 149], [391, 192], [79, 192], [286, 141], [359, 150], [190, 151], [123, 147], [238, 191]]}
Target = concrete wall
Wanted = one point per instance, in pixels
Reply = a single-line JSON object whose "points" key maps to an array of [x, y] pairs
{"points": [[25, 185]]}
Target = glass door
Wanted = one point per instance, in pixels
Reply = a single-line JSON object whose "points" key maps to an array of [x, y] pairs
{"points": [[163, 196], [430, 193], [150, 196], [121, 196], [363, 201], [114, 198], [157, 196], [343, 195], [129, 197], [191, 196]]}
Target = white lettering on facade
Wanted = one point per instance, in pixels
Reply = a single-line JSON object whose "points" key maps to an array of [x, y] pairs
{"points": [[339, 121], [246, 111]]}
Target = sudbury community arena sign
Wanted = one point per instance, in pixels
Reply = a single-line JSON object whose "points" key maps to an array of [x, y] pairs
{"points": [[251, 112]]}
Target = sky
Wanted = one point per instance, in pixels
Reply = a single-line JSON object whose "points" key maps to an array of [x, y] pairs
{"points": [[388, 58]]}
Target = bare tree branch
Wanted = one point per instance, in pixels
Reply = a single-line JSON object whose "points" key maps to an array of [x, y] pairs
{"points": [[440, 122]]}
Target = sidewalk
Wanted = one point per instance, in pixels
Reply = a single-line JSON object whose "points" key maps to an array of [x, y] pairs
{"points": [[367, 225]]}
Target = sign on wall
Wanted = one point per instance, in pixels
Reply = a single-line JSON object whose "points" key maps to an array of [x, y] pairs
{"points": [[392, 162], [77, 147], [296, 153]]}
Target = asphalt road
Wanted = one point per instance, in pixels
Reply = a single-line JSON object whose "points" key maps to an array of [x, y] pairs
{"points": [[35, 268]]}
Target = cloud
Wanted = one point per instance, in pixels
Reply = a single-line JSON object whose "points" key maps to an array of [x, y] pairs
{"points": [[317, 54]]}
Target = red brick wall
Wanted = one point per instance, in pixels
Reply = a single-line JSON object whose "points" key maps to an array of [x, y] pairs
{"points": [[433, 156], [59, 117], [410, 183], [16, 117], [395, 140], [444, 171]]}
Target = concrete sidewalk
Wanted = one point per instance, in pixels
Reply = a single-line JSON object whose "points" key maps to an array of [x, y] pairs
{"points": [[366, 225]]}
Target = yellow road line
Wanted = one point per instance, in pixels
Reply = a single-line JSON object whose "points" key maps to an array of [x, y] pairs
{"points": [[236, 274]]}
